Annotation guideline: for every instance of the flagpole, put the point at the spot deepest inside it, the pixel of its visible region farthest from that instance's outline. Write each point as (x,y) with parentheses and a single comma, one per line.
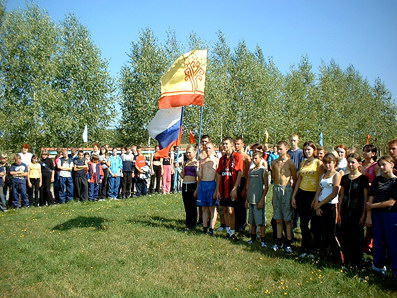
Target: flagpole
(177,155)
(201,125)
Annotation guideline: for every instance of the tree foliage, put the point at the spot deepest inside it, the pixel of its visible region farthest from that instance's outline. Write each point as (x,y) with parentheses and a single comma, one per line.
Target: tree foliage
(246,95)
(140,87)
(53,81)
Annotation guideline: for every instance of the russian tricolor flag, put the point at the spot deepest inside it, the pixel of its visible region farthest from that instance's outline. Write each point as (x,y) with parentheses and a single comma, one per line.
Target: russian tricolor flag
(166,128)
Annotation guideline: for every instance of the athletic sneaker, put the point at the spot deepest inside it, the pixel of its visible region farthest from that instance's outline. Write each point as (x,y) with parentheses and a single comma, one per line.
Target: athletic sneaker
(210,233)
(379,270)
(275,247)
(288,249)
(302,255)
(263,244)
(234,237)
(221,229)
(250,241)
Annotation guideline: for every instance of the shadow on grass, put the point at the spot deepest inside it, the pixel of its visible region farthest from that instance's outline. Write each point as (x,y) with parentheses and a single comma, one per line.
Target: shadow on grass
(158,221)
(82,222)
(365,275)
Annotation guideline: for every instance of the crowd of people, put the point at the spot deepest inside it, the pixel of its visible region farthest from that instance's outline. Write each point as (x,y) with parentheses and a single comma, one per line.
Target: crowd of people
(336,194)
(30,180)
(343,198)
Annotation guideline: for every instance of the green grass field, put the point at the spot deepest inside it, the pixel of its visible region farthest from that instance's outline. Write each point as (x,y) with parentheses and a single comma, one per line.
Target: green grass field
(138,248)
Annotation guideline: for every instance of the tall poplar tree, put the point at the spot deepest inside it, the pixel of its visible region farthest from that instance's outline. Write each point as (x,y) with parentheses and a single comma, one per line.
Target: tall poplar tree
(27,65)
(53,81)
(140,87)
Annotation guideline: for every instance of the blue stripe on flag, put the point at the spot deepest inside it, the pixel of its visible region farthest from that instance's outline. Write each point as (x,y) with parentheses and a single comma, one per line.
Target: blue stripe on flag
(169,135)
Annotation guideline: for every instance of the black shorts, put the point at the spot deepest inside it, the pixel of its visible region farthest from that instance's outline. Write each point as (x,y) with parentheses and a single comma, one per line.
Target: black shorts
(228,203)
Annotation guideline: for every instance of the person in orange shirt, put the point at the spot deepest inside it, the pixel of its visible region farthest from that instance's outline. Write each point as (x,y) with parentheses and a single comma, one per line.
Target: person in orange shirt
(140,183)
(95,177)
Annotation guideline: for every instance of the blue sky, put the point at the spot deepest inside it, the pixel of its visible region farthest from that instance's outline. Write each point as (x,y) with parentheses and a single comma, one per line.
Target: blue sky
(361,33)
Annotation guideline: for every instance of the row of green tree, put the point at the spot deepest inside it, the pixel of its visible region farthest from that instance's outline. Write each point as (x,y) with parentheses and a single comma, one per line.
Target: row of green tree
(246,95)
(54,82)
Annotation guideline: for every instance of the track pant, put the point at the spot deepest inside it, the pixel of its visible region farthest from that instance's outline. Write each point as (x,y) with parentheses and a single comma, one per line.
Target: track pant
(167,178)
(240,211)
(81,188)
(45,190)
(303,205)
(324,232)
(126,185)
(66,189)
(155,179)
(189,202)
(19,189)
(34,192)
(140,186)
(114,185)
(93,193)
(104,184)
(385,238)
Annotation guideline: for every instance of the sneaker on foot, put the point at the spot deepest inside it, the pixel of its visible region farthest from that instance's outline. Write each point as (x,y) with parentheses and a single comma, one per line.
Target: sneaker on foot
(302,255)
(263,244)
(221,229)
(234,237)
(379,270)
(288,249)
(275,247)
(250,241)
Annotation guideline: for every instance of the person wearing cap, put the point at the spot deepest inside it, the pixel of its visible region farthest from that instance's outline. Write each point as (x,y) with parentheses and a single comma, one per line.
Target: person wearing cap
(47,176)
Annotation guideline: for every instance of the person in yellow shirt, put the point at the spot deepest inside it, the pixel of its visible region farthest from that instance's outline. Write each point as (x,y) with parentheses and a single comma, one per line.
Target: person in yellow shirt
(305,189)
(34,181)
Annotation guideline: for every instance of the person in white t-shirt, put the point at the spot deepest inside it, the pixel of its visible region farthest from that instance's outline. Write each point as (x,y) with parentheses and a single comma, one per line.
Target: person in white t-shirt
(65,164)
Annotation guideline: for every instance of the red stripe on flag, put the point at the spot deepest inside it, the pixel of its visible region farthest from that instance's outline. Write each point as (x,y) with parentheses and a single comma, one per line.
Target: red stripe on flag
(191,138)
(165,152)
(173,101)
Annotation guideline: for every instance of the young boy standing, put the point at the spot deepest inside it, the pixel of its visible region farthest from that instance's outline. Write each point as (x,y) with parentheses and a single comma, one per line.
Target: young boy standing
(19,173)
(240,209)
(65,165)
(95,176)
(229,173)
(206,187)
(283,174)
(257,187)
(80,177)
(128,159)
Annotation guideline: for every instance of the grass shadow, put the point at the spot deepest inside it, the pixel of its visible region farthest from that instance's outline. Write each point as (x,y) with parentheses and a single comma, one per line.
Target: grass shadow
(82,222)
(158,221)
(319,263)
